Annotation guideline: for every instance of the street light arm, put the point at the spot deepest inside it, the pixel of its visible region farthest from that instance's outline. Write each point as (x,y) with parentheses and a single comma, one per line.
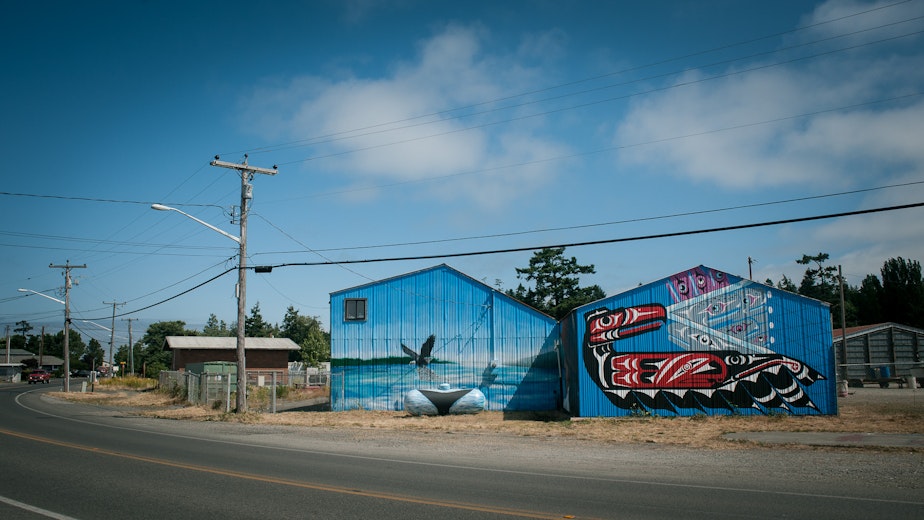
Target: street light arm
(42,295)
(96,324)
(161,207)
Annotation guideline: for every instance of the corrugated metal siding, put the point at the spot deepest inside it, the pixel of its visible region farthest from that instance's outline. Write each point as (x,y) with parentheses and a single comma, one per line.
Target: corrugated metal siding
(732,347)
(887,345)
(483,340)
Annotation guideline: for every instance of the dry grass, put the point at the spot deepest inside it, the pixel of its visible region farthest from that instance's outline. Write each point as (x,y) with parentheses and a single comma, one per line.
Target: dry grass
(865,410)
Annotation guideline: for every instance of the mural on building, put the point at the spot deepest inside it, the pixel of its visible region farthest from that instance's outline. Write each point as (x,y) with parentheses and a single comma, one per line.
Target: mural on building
(435,327)
(720,352)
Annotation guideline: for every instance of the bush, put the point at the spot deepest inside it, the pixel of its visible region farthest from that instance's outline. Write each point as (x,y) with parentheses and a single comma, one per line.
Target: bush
(132,382)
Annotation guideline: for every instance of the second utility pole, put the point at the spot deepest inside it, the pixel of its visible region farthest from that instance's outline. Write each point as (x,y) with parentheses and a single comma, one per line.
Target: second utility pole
(67,318)
(112,332)
(247,173)
(131,347)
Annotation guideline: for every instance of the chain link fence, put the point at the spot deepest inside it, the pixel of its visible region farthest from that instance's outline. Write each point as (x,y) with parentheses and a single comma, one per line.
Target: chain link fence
(267,391)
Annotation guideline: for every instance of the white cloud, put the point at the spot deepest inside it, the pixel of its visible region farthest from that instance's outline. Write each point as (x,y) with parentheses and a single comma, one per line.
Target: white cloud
(804,123)
(395,128)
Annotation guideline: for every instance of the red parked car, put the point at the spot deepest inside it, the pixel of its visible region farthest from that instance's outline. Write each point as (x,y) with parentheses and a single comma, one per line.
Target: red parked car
(39,376)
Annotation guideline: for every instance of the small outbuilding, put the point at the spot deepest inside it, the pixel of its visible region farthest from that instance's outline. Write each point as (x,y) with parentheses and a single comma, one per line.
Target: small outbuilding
(699,342)
(262,354)
(881,353)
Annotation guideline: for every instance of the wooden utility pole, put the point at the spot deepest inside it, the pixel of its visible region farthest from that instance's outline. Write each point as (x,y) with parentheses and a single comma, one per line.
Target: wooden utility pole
(112,330)
(247,173)
(131,346)
(843,352)
(67,318)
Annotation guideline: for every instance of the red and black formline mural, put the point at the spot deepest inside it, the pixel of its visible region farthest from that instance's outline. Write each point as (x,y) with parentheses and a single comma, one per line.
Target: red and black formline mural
(702,341)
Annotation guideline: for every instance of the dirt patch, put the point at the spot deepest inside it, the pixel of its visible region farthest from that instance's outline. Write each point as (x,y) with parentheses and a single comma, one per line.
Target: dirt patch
(867,410)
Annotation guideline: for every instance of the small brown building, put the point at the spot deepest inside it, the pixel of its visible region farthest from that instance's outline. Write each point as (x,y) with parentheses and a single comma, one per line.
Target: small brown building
(262,354)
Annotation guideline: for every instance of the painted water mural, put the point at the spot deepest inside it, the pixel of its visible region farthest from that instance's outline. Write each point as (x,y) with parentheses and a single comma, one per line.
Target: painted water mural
(382,384)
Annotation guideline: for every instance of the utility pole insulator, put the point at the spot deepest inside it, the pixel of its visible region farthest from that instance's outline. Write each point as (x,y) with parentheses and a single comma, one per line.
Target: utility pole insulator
(245,167)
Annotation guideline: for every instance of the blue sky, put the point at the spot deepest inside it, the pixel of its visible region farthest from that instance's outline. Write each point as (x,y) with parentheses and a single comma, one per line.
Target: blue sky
(417,128)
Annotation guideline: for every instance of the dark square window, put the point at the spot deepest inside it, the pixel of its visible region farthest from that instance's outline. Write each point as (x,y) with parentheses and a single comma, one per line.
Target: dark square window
(354,309)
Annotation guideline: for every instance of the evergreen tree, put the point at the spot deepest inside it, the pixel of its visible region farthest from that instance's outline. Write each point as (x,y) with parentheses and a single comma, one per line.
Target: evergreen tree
(556,284)
(255,326)
(868,300)
(94,355)
(819,282)
(153,354)
(786,284)
(22,328)
(215,328)
(306,332)
(903,292)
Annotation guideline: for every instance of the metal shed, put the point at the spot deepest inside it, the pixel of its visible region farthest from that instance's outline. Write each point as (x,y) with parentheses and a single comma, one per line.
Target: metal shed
(437,325)
(880,352)
(699,342)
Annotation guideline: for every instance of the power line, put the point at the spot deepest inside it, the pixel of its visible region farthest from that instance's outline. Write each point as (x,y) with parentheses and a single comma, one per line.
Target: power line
(165,300)
(615,240)
(97,199)
(586,226)
(538,247)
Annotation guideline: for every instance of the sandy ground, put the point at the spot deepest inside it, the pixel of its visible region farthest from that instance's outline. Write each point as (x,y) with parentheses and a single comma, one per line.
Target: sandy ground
(867,410)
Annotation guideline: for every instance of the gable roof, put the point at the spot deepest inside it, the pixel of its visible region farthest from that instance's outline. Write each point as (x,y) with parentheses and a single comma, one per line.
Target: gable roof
(442,267)
(47,360)
(852,332)
(410,274)
(227,343)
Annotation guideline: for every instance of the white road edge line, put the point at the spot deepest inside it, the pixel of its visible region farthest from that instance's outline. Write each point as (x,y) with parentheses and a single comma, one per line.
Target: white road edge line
(33,509)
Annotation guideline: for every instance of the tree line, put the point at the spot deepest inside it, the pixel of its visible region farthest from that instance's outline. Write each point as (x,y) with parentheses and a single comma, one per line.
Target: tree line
(895,295)
(148,355)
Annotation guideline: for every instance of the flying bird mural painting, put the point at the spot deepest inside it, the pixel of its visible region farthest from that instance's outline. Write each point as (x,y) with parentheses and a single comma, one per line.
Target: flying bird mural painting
(422,359)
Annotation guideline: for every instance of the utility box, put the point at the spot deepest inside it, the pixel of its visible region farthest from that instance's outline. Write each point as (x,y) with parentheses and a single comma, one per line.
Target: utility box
(215,370)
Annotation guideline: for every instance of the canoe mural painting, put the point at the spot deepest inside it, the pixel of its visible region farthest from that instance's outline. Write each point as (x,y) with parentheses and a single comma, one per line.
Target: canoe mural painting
(444,401)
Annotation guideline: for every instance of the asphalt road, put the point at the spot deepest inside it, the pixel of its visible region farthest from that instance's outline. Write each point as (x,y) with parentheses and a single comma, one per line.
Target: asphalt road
(66,460)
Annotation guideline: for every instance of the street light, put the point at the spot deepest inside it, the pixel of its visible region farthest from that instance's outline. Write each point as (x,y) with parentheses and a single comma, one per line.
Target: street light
(161,207)
(42,295)
(241,403)
(67,325)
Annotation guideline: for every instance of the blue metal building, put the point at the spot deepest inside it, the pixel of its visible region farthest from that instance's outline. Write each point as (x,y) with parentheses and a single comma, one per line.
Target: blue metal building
(699,342)
(434,326)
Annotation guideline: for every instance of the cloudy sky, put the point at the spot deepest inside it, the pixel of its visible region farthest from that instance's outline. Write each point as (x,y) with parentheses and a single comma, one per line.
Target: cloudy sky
(413,128)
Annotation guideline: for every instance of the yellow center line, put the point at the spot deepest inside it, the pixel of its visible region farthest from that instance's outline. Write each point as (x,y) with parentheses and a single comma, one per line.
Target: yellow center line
(287,482)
